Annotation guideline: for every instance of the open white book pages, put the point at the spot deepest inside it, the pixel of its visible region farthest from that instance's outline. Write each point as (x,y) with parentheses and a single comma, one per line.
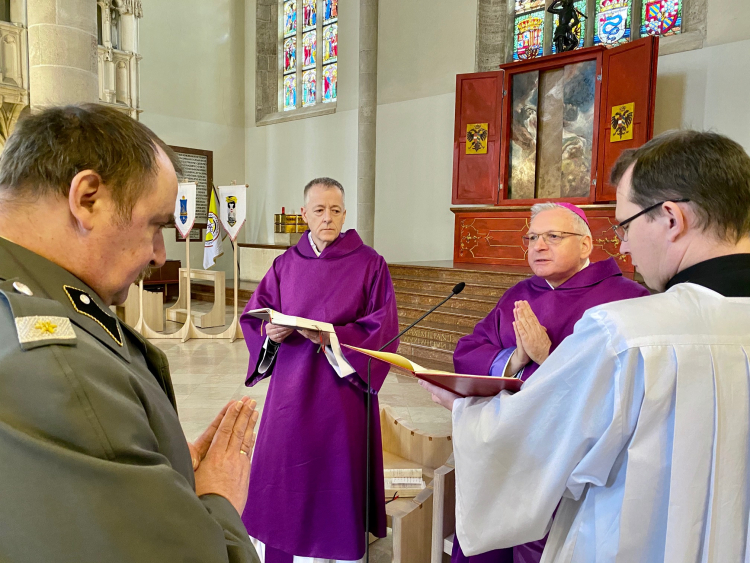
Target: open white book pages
(333,352)
(463,385)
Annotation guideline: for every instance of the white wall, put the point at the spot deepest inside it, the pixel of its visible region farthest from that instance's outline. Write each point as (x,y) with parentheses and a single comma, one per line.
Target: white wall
(419,54)
(192,90)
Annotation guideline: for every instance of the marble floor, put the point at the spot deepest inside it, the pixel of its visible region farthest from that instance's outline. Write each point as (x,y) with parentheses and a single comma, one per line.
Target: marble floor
(208,373)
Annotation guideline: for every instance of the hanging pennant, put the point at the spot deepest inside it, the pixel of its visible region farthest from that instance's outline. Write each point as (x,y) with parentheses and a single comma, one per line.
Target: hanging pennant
(232,209)
(184,210)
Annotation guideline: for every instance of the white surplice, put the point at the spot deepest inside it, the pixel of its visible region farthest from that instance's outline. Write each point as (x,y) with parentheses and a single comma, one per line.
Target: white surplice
(639,421)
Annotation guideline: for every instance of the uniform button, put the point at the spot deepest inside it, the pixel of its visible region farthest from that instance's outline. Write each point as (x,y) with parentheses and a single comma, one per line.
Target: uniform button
(22,288)
(85,299)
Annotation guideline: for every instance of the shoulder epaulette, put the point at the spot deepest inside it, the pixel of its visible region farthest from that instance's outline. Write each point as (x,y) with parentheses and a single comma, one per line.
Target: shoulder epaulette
(38,321)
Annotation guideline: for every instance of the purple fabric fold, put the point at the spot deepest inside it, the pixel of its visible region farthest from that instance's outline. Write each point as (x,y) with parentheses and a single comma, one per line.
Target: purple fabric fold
(307,485)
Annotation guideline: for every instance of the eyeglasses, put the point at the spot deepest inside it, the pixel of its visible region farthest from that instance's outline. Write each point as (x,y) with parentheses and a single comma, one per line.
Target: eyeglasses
(621,229)
(552,238)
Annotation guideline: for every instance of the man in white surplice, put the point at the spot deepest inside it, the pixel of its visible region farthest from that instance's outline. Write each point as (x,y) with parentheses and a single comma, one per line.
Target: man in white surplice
(637,428)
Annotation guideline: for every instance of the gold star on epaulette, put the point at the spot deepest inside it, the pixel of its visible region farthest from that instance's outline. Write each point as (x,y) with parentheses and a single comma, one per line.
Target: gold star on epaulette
(46,327)
(36,328)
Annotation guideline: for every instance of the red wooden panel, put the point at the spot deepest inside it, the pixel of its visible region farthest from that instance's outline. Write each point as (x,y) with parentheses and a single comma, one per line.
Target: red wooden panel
(478,100)
(629,76)
(494,237)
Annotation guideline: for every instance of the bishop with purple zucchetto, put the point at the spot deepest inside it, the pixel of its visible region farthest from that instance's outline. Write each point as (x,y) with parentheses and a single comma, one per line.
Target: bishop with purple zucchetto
(533,317)
(308,480)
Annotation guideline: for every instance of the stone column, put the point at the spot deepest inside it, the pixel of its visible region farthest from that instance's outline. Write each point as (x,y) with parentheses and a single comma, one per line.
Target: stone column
(62,52)
(492,27)
(367,120)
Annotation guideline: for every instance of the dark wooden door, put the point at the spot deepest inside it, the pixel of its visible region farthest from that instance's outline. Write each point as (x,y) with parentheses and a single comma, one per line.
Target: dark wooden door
(628,77)
(478,101)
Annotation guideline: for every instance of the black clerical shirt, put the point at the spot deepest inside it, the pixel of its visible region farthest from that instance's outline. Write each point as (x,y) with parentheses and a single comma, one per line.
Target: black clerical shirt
(727,275)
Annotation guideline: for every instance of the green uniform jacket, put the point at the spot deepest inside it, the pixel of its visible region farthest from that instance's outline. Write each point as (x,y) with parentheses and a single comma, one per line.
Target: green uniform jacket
(94,466)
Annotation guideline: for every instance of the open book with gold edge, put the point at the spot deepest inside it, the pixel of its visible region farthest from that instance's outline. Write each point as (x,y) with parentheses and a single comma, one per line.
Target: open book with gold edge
(460,384)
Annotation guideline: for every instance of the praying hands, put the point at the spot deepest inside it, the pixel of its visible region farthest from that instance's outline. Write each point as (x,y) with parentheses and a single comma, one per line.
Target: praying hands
(532,342)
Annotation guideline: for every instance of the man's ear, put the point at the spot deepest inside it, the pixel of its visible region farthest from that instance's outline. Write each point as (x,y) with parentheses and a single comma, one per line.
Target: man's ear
(587,245)
(303,211)
(675,220)
(85,198)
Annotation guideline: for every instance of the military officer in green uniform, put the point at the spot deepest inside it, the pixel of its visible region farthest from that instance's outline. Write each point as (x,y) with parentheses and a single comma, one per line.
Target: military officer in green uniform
(94,466)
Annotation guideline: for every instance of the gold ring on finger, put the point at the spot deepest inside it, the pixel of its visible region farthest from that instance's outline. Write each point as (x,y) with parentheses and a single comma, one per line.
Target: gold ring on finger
(243,452)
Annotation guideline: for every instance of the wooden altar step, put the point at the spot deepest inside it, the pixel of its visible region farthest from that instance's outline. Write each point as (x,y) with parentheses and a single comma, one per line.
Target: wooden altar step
(420,286)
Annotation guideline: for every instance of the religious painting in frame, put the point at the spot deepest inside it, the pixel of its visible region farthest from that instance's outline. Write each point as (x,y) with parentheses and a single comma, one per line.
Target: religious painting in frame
(661,17)
(523,147)
(198,167)
(613,22)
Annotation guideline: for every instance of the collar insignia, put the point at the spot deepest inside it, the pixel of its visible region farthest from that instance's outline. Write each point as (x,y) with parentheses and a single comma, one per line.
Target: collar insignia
(85,305)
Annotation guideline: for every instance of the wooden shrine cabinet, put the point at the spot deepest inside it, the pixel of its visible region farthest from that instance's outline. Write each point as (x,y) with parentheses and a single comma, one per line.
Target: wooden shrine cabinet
(547,129)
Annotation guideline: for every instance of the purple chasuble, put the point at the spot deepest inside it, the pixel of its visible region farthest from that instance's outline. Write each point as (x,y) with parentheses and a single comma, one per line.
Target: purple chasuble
(307,484)
(558,310)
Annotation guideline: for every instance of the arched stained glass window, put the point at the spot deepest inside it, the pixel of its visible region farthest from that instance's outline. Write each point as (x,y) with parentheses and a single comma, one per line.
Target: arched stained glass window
(529,29)
(309,52)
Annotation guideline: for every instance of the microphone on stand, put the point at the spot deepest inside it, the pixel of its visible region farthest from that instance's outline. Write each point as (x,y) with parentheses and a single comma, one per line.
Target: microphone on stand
(458,288)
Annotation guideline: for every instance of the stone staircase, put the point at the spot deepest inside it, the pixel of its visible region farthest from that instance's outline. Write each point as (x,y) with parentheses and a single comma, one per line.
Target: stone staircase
(418,288)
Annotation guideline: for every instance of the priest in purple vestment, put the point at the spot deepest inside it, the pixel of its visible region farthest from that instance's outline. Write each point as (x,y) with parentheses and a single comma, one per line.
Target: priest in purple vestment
(533,317)
(307,485)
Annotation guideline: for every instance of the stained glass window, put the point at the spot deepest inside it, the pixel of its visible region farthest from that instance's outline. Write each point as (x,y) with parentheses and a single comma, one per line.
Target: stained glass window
(308,88)
(309,49)
(661,17)
(290,92)
(528,5)
(309,52)
(290,55)
(580,29)
(309,14)
(329,83)
(613,22)
(331,12)
(529,34)
(290,18)
(330,43)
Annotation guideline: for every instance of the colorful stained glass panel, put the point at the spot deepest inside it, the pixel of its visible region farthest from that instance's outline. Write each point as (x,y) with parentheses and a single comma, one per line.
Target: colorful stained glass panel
(329,83)
(613,22)
(309,14)
(529,34)
(661,17)
(290,55)
(331,11)
(330,43)
(309,49)
(580,29)
(290,92)
(528,5)
(290,18)
(308,88)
